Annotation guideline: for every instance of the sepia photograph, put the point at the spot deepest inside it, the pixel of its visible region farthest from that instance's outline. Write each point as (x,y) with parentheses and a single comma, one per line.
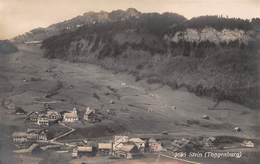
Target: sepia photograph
(129,82)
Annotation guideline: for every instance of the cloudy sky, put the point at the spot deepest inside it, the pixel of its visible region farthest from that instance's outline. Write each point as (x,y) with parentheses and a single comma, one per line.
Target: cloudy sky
(19,16)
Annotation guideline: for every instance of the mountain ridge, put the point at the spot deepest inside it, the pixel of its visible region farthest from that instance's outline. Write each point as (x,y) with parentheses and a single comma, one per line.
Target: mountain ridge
(73,24)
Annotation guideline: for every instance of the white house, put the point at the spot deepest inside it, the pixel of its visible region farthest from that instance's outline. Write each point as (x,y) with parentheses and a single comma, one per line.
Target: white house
(43,120)
(90,115)
(53,115)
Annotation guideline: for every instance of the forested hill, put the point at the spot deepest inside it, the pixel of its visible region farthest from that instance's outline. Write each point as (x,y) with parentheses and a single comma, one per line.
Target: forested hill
(209,55)
(93,18)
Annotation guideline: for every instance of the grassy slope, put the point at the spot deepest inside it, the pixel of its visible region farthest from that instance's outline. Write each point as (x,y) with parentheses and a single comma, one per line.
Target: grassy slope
(223,72)
(7,47)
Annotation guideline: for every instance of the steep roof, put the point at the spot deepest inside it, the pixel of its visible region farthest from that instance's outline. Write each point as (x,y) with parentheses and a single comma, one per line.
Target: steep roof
(43,117)
(137,140)
(152,140)
(127,147)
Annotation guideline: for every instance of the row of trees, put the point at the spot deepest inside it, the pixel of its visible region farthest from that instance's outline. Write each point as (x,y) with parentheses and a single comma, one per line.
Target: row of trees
(217,22)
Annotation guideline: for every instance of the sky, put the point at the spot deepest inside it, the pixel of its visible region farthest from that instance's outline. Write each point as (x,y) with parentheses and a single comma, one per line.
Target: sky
(19,16)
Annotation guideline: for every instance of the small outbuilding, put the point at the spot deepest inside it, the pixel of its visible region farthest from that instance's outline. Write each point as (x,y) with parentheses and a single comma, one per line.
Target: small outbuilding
(237,129)
(205,117)
(105,148)
(83,151)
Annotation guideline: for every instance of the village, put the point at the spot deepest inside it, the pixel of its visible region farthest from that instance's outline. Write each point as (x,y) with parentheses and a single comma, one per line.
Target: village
(39,139)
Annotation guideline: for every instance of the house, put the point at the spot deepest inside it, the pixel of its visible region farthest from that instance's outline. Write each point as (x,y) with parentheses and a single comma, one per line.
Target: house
(90,115)
(43,120)
(127,150)
(181,144)
(53,116)
(209,142)
(33,117)
(42,136)
(32,135)
(248,144)
(37,134)
(71,116)
(139,143)
(118,140)
(124,148)
(105,148)
(20,137)
(154,146)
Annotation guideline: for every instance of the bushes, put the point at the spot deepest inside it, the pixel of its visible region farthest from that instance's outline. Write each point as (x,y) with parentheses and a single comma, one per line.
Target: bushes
(158,24)
(6,47)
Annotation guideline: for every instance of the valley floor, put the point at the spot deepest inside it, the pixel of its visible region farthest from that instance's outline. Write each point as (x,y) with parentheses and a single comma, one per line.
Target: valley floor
(139,108)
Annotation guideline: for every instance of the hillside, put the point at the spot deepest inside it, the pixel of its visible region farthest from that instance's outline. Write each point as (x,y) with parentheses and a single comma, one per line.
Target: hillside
(88,18)
(6,47)
(210,56)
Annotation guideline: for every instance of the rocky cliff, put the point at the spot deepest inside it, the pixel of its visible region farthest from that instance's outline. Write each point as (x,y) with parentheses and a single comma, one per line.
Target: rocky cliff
(212,35)
(219,60)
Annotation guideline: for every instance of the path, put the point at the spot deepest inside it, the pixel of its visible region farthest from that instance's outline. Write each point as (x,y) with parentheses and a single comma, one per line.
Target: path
(64,134)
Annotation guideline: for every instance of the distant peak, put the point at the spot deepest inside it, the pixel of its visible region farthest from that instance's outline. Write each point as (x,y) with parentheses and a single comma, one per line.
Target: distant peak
(132,10)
